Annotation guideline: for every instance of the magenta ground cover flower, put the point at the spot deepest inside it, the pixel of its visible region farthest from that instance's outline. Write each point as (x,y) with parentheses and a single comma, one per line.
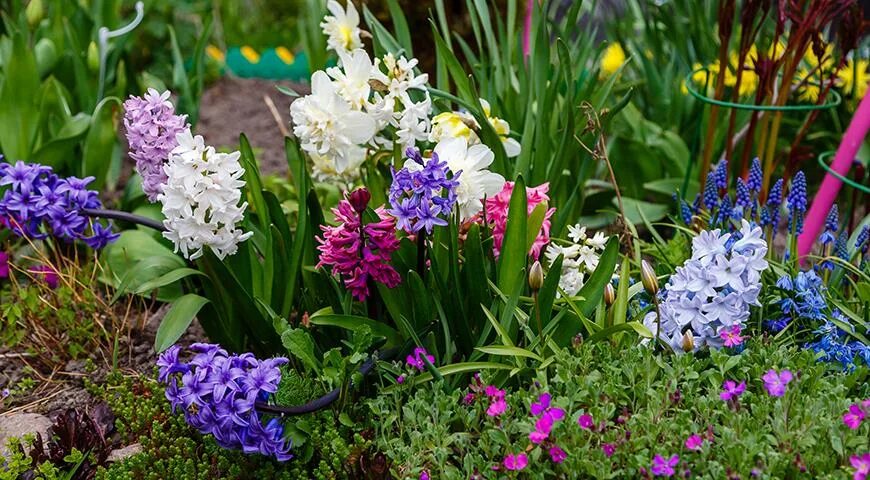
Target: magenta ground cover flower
(360,252)
(4,265)
(732,336)
(775,383)
(861,464)
(664,468)
(732,390)
(854,416)
(694,442)
(609,449)
(547,417)
(516,462)
(497,404)
(585,421)
(415,360)
(557,455)
(46,274)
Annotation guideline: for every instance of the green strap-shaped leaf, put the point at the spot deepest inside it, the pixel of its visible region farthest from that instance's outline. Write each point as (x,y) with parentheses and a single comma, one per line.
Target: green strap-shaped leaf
(512,258)
(177,319)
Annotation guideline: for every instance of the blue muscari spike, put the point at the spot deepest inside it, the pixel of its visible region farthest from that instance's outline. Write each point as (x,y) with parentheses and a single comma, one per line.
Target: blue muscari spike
(743,199)
(721,174)
(711,192)
(686,212)
(841,248)
(755,176)
(832,223)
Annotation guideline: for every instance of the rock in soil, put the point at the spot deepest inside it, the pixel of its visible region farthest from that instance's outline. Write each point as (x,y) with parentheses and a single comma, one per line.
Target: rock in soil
(122,453)
(20,424)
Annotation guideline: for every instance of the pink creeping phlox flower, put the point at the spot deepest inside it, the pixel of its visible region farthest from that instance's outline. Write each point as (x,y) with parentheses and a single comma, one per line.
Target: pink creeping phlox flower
(694,442)
(4,265)
(416,359)
(732,390)
(609,449)
(732,336)
(585,421)
(497,404)
(360,252)
(557,455)
(47,274)
(516,462)
(854,416)
(497,213)
(664,468)
(861,463)
(775,383)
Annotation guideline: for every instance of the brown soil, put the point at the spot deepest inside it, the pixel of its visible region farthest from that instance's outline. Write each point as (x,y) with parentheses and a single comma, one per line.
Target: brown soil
(232,106)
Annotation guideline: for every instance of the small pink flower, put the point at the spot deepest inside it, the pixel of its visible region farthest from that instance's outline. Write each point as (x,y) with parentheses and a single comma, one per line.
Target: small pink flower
(694,442)
(468,399)
(424,475)
(775,383)
(557,455)
(4,265)
(854,417)
(400,379)
(46,274)
(492,391)
(496,408)
(732,390)
(731,336)
(537,437)
(543,403)
(416,359)
(609,449)
(664,468)
(585,421)
(516,462)
(861,463)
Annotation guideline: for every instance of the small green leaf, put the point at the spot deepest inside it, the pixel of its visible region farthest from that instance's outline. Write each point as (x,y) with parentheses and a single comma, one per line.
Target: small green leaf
(177,319)
(299,343)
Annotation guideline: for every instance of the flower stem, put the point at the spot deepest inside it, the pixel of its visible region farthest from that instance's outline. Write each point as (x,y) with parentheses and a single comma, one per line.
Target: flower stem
(421,253)
(124,217)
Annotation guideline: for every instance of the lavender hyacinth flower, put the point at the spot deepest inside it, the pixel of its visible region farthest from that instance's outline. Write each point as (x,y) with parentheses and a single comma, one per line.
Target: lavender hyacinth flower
(152,125)
(217,394)
(421,195)
(38,203)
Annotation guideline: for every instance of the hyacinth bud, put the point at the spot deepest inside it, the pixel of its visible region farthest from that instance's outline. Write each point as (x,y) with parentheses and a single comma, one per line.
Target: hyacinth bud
(648,278)
(93,57)
(609,294)
(34,12)
(359,199)
(536,276)
(688,342)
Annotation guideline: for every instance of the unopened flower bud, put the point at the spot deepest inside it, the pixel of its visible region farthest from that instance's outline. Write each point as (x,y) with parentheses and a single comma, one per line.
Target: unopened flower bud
(35,12)
(359,199)
(609,294)
(688,342)
(93,57)
(577,340)
(648,277)
(536,276)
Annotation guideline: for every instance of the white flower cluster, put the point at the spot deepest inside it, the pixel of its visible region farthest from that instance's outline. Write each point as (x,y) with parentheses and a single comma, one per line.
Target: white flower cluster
(714,289)
(463,124)
(201,199)
(580,257)
(356,105)
(341,28)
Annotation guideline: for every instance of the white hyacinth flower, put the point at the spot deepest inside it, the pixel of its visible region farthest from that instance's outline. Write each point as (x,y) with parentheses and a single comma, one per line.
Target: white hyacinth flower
(201,199)
(579,257)
(392,104)
(475,181)
(341,28)
(327,125)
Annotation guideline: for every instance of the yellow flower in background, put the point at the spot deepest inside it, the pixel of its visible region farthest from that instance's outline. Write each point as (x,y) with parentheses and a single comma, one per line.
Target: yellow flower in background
(250,54)
(810,90)
(215,53)
(776,50)
(285,55)
(613,58)
(854,77)
(827,58)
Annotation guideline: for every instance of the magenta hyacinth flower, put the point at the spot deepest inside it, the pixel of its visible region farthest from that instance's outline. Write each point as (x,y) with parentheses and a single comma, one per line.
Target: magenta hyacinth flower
(775,383)
(497,213)
(152,125)
(854,416)
(861,464)
(664,468)
(732,390)
(694,442)
(516,462)
(46,274)
(359,253)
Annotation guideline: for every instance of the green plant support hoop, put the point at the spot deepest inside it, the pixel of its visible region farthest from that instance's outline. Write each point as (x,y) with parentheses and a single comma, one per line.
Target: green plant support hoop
(823,161)
(835,100)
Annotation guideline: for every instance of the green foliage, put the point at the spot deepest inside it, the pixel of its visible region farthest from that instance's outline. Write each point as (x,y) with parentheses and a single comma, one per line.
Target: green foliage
(644,405)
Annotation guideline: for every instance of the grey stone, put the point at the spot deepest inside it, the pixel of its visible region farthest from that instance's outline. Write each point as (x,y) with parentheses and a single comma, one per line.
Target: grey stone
(122,453)
(21,424)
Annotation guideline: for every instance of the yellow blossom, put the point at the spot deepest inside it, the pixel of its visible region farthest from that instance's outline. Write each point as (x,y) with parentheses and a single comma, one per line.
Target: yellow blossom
(854,77)
(613,58)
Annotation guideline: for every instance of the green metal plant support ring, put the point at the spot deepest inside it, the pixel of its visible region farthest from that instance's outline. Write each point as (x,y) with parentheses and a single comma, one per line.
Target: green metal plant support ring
(832,103)
(823,161)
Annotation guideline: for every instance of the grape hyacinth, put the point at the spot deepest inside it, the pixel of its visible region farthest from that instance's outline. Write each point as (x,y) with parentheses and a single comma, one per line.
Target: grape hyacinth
(217,393)
(797,203)
(832,224)
(421,195)
(712,292)
(497,214)
(774,200)
(359,251)
(755,177)
(201,199)
(151,127)
(35,198)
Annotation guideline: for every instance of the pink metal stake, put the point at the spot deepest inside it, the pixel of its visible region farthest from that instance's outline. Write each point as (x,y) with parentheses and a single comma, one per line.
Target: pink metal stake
(527,28)
(858,128)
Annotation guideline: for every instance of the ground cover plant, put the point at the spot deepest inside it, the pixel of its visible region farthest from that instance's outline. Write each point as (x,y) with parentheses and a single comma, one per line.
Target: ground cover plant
(578,241)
